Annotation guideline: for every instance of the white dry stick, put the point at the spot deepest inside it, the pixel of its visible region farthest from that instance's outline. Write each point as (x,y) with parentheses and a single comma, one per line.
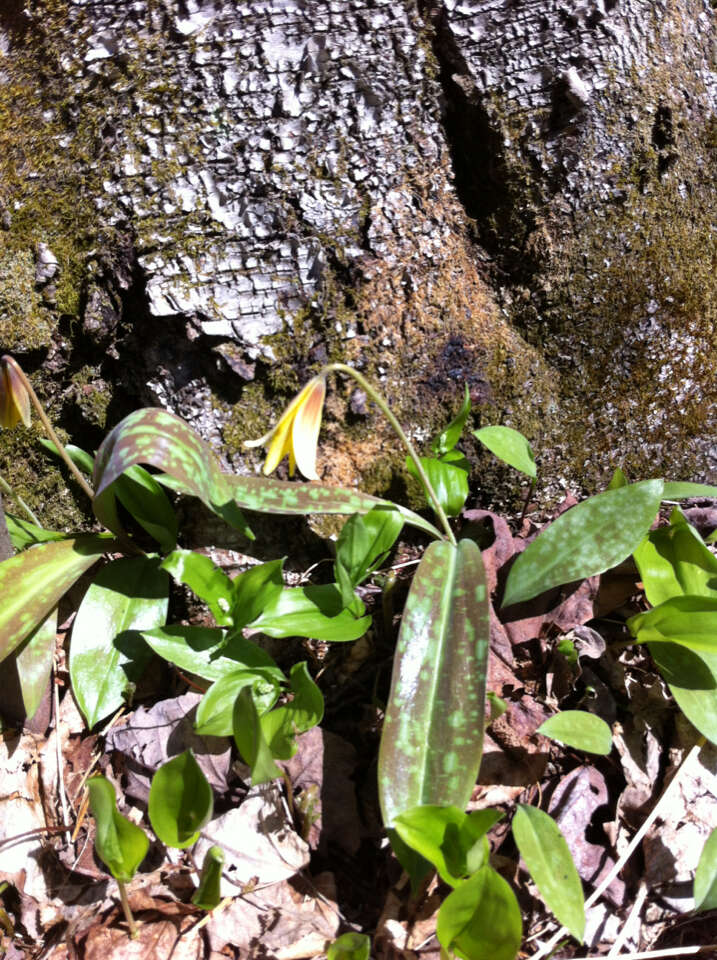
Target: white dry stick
(628,924)
(58,750)
(634,843)
(670,952)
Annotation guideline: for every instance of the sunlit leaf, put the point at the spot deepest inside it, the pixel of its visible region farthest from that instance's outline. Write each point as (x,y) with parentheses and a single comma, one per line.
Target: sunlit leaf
(215,713)
(145,500)
(24,534)
(33,662)
(705,890)
(281,726)
(480,919)
(689,621)
(119,844)
(673,561)
(362,546)
(683,490)
(580,730)
(250,740)
(255,591)
(207,652)
(692,679)
(510,446)
(316,611)
(205,579)
(208,893)
(448,477)
(448,438)
(180,801)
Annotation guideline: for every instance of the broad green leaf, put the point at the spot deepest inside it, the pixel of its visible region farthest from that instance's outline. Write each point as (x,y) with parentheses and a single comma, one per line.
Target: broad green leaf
(589,539)
(266,495)
(510,446)
(160,439)
(315,612)
(453,841)
(180,801)
(692,679)
(32,582)
(281,726)
(350,946)
(712,538)
(705,889)
(208,893)
(24,534)
(448,477)
(119,844)
(618,479)
(145,500)
(432,736)
(250,740)
(689,621)
(81,458)
(33,662)
(216,709)
(362,546)
(580,730)
(255,590)
(207,652)
(448,438)
(674,561)
(683,490)
(547,857)
(106,652)
(205,579)
(480,919)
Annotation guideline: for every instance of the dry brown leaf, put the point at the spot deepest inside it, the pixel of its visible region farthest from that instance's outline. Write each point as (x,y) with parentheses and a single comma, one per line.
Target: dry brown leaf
(155,940)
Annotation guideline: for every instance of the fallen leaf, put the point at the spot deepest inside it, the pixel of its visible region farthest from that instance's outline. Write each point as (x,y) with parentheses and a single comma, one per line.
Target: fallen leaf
(158,939)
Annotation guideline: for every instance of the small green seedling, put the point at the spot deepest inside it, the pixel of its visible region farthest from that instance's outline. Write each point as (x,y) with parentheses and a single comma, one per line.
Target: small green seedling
(180,801)
(208,893)
(580,730)
(350,946)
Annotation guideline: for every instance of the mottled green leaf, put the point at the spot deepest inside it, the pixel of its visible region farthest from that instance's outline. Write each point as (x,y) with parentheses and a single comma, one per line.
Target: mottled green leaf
(32,582)
(106,652)
(510,446)
(207,896)
(689,621)
(350,946)
(589,539)
(673,561)
(316,611)
(24,534)
(432,736)
(281,726)
(207,652)
(547,857)
(705,889)
(362,546)
(448,438)
(480,919)
(683,490)
(33,662)
(216,710)
(205,579)
(250,740)
(692,679)
(119,844)
(180,801)
(580,730)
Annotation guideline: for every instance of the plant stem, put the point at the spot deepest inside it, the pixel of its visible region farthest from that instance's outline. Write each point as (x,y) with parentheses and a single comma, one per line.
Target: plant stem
(127,910)
(48,428)
(386,410)
(6,488)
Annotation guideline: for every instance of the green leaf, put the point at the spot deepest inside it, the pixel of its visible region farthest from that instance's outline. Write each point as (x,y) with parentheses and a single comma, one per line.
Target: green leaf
(705,890)
(674,561)
(547,857)
(689,621)
(255,590)
(448,477)
(480,919)
(362,547)
(589,539)
(106,653)
(510,446)
(683,490)
(145,500)
(160,439)
(119,844)
(81,458)
(350,946)
(692,679)
(205,579)
(316,611)
(617,480)
(447,837)
(250,740)
(448,438)
(32,582)
(207,896)
(24,534)
(580,730)
(180,801)
(281,726)
(432,736)
(33,662)
(207,652)
(215,713)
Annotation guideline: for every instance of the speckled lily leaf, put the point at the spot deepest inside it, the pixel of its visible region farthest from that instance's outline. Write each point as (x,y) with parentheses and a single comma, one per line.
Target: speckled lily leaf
(164,441)
(433,733)
(589,539)
(32,582)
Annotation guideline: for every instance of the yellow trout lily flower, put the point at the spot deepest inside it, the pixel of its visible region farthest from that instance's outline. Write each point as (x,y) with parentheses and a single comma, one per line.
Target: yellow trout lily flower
(14,398)
(297,432)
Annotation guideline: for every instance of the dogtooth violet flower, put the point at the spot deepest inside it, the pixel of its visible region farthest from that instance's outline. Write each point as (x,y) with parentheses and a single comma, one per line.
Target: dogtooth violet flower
(297,432)
(14,398)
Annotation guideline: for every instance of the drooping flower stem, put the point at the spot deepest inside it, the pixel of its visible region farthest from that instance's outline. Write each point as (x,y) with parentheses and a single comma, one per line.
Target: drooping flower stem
(7,489)
(48,427)
(386,410)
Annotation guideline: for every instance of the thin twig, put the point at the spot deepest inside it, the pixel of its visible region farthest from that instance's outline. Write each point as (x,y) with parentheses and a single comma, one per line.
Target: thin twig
(670,952)
(634,914)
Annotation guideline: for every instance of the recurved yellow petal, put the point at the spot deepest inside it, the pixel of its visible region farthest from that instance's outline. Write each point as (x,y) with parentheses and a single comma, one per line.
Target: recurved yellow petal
(14,398)
(297,432)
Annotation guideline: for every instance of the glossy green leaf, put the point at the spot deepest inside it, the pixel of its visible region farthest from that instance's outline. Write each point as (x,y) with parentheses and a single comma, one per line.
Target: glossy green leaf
(207,652)
(205,579)
(617,480)
(448,477)
(162,440)
(683,490)
(32,582)
(119,844)
(432,736)
(255,590)
(145,500)
(510,446)
(673,561)
(281,726)
(580,730)
(692,679)
(480,919)
(215,713)
(589,539)
(33,662)
(106,652)
(705,889)
(208,895)
(350,946)
(317,612)
(24,534)
(81,458)
(362,546)
(689,621)
(180,801)
(250,740)
(550,864)
(453,841)
(448,438)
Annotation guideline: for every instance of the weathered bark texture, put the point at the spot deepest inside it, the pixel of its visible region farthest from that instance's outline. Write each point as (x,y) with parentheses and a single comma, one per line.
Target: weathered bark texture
(201,202)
